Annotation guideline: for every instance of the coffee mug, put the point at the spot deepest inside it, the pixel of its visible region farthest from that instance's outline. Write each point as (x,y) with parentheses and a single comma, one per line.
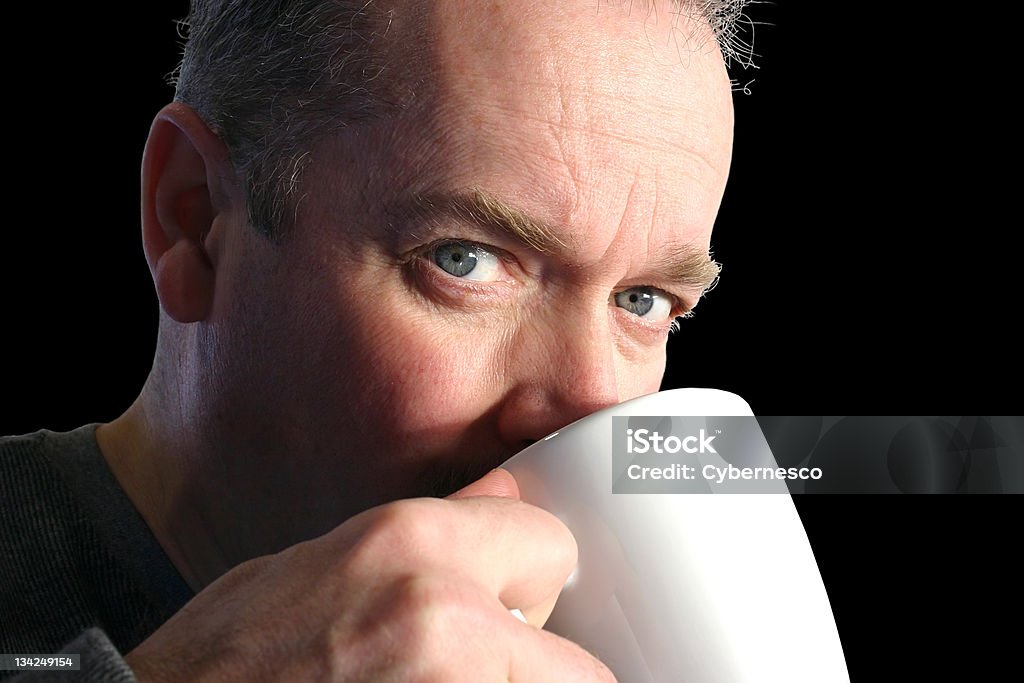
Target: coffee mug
(672,587)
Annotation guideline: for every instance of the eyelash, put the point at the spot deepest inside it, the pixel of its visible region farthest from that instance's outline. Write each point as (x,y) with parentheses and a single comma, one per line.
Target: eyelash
(423,255)
(674,327)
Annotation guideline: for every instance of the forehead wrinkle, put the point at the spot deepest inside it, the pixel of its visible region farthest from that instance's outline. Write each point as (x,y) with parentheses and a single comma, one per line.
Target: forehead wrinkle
(654,216)
(572,85)
(688,266)
(687,150)
(586,140)
(625,219)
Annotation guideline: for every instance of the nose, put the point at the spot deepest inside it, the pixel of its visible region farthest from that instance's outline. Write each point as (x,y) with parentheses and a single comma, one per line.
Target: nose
(555,378)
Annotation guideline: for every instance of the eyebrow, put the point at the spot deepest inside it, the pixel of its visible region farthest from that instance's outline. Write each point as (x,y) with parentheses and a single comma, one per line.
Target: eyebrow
(690,268)
(686,266)
(484,210)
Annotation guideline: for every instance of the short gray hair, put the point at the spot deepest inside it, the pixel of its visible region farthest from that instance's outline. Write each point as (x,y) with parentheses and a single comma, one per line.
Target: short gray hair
(270,77)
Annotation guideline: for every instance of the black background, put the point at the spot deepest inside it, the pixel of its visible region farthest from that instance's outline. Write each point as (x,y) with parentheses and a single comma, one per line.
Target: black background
(870,268)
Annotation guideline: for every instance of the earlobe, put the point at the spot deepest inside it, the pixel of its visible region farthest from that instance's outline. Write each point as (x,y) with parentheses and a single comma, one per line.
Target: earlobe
(184,281)
(183,171)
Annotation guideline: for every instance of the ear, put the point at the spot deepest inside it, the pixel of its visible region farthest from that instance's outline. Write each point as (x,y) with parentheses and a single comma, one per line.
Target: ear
(187,182)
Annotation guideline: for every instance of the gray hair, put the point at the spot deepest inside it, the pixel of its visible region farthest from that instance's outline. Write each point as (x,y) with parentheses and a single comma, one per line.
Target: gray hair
(270,77)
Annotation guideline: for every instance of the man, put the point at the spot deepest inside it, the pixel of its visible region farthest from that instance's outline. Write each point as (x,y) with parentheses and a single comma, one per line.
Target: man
(394,243)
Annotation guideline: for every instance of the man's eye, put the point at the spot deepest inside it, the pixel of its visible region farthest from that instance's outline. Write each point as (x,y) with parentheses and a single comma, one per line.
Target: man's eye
(645,302)
(468,261)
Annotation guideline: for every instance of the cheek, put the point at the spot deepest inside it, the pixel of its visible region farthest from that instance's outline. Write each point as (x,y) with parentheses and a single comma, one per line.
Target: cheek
(432,369)
(639,368)
(425,373)
(638,378)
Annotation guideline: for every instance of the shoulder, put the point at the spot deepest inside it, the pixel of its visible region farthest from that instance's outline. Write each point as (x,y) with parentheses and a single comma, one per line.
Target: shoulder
(42,528)
(37,469)
(74,552)
(30,468)
(36,450)
(39,506)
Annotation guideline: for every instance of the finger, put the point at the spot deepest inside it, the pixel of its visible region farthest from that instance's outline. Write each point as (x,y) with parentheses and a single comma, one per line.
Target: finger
(500,482)
(497,482)
(538,656)
(518,552)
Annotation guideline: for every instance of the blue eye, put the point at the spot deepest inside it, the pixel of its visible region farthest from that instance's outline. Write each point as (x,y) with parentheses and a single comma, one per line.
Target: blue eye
(467,260)
(645,302)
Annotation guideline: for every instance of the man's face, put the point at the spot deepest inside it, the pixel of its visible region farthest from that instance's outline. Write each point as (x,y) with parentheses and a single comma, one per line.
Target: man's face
(402,332)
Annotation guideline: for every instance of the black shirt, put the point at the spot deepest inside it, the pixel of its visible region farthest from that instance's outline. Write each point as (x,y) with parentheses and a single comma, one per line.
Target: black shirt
(80,571)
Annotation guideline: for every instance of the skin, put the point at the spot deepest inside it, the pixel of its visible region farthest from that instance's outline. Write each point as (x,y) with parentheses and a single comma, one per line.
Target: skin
(300,388)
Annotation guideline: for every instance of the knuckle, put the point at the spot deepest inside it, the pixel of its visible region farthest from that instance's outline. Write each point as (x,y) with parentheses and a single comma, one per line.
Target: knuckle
(414,529)
(418,627)
(430,600)
(432,617)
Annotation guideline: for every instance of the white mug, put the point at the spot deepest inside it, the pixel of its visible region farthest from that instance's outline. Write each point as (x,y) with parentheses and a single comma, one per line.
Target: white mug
(681,587)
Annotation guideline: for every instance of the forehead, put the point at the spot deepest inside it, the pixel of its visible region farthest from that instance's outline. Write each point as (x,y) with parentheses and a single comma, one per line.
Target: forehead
(589,68)
(585,115)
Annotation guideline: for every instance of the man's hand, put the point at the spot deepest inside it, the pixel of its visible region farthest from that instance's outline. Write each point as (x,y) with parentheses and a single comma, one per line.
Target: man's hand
(415,590)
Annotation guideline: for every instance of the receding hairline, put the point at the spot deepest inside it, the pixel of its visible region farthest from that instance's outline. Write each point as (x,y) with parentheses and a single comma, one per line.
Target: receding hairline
(272,83)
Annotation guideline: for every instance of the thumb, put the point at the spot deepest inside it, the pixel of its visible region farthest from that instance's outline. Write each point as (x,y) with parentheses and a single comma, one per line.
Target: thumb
(497,482)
